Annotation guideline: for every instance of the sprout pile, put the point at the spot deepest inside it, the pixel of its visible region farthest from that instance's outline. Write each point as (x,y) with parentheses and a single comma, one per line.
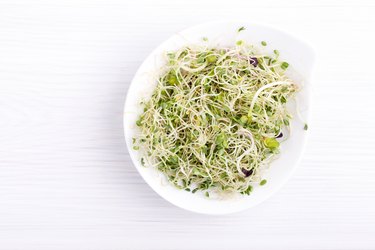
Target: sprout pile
(216,117)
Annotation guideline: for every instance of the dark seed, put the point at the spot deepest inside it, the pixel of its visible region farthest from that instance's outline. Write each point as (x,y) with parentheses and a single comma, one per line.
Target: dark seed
(280,135)
(246,172)
(254,61)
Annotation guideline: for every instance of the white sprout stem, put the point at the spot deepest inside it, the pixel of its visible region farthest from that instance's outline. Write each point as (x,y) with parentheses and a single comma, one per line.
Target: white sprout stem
(247,152)
(253,101)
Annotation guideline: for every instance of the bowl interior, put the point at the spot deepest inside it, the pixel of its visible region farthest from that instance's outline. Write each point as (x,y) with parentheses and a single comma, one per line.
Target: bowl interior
(301,59)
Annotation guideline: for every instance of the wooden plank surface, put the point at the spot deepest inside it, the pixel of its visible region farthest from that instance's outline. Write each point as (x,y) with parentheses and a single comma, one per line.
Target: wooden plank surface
(66,179)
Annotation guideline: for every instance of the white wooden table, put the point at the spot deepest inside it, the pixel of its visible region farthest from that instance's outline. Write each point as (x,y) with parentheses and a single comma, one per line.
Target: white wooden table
(66,179)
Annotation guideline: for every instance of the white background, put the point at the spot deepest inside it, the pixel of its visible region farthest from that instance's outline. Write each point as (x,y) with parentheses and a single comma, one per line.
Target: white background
(66,179)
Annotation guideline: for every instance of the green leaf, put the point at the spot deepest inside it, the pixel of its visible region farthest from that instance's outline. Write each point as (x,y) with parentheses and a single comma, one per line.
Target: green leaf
(248,190)
(220,151)
(241,29)
(271,143)
(222,141)
(172,79)
(223,175)
(284,65)
(239,43)
(243,119)
(211,59)
(283,99)
(173,159)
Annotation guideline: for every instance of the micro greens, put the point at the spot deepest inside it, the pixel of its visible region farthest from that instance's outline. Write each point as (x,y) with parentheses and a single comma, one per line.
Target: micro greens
(214,119)
(263,182)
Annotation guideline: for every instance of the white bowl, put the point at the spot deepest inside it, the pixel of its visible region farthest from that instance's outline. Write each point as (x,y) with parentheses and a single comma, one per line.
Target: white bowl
(301,59)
